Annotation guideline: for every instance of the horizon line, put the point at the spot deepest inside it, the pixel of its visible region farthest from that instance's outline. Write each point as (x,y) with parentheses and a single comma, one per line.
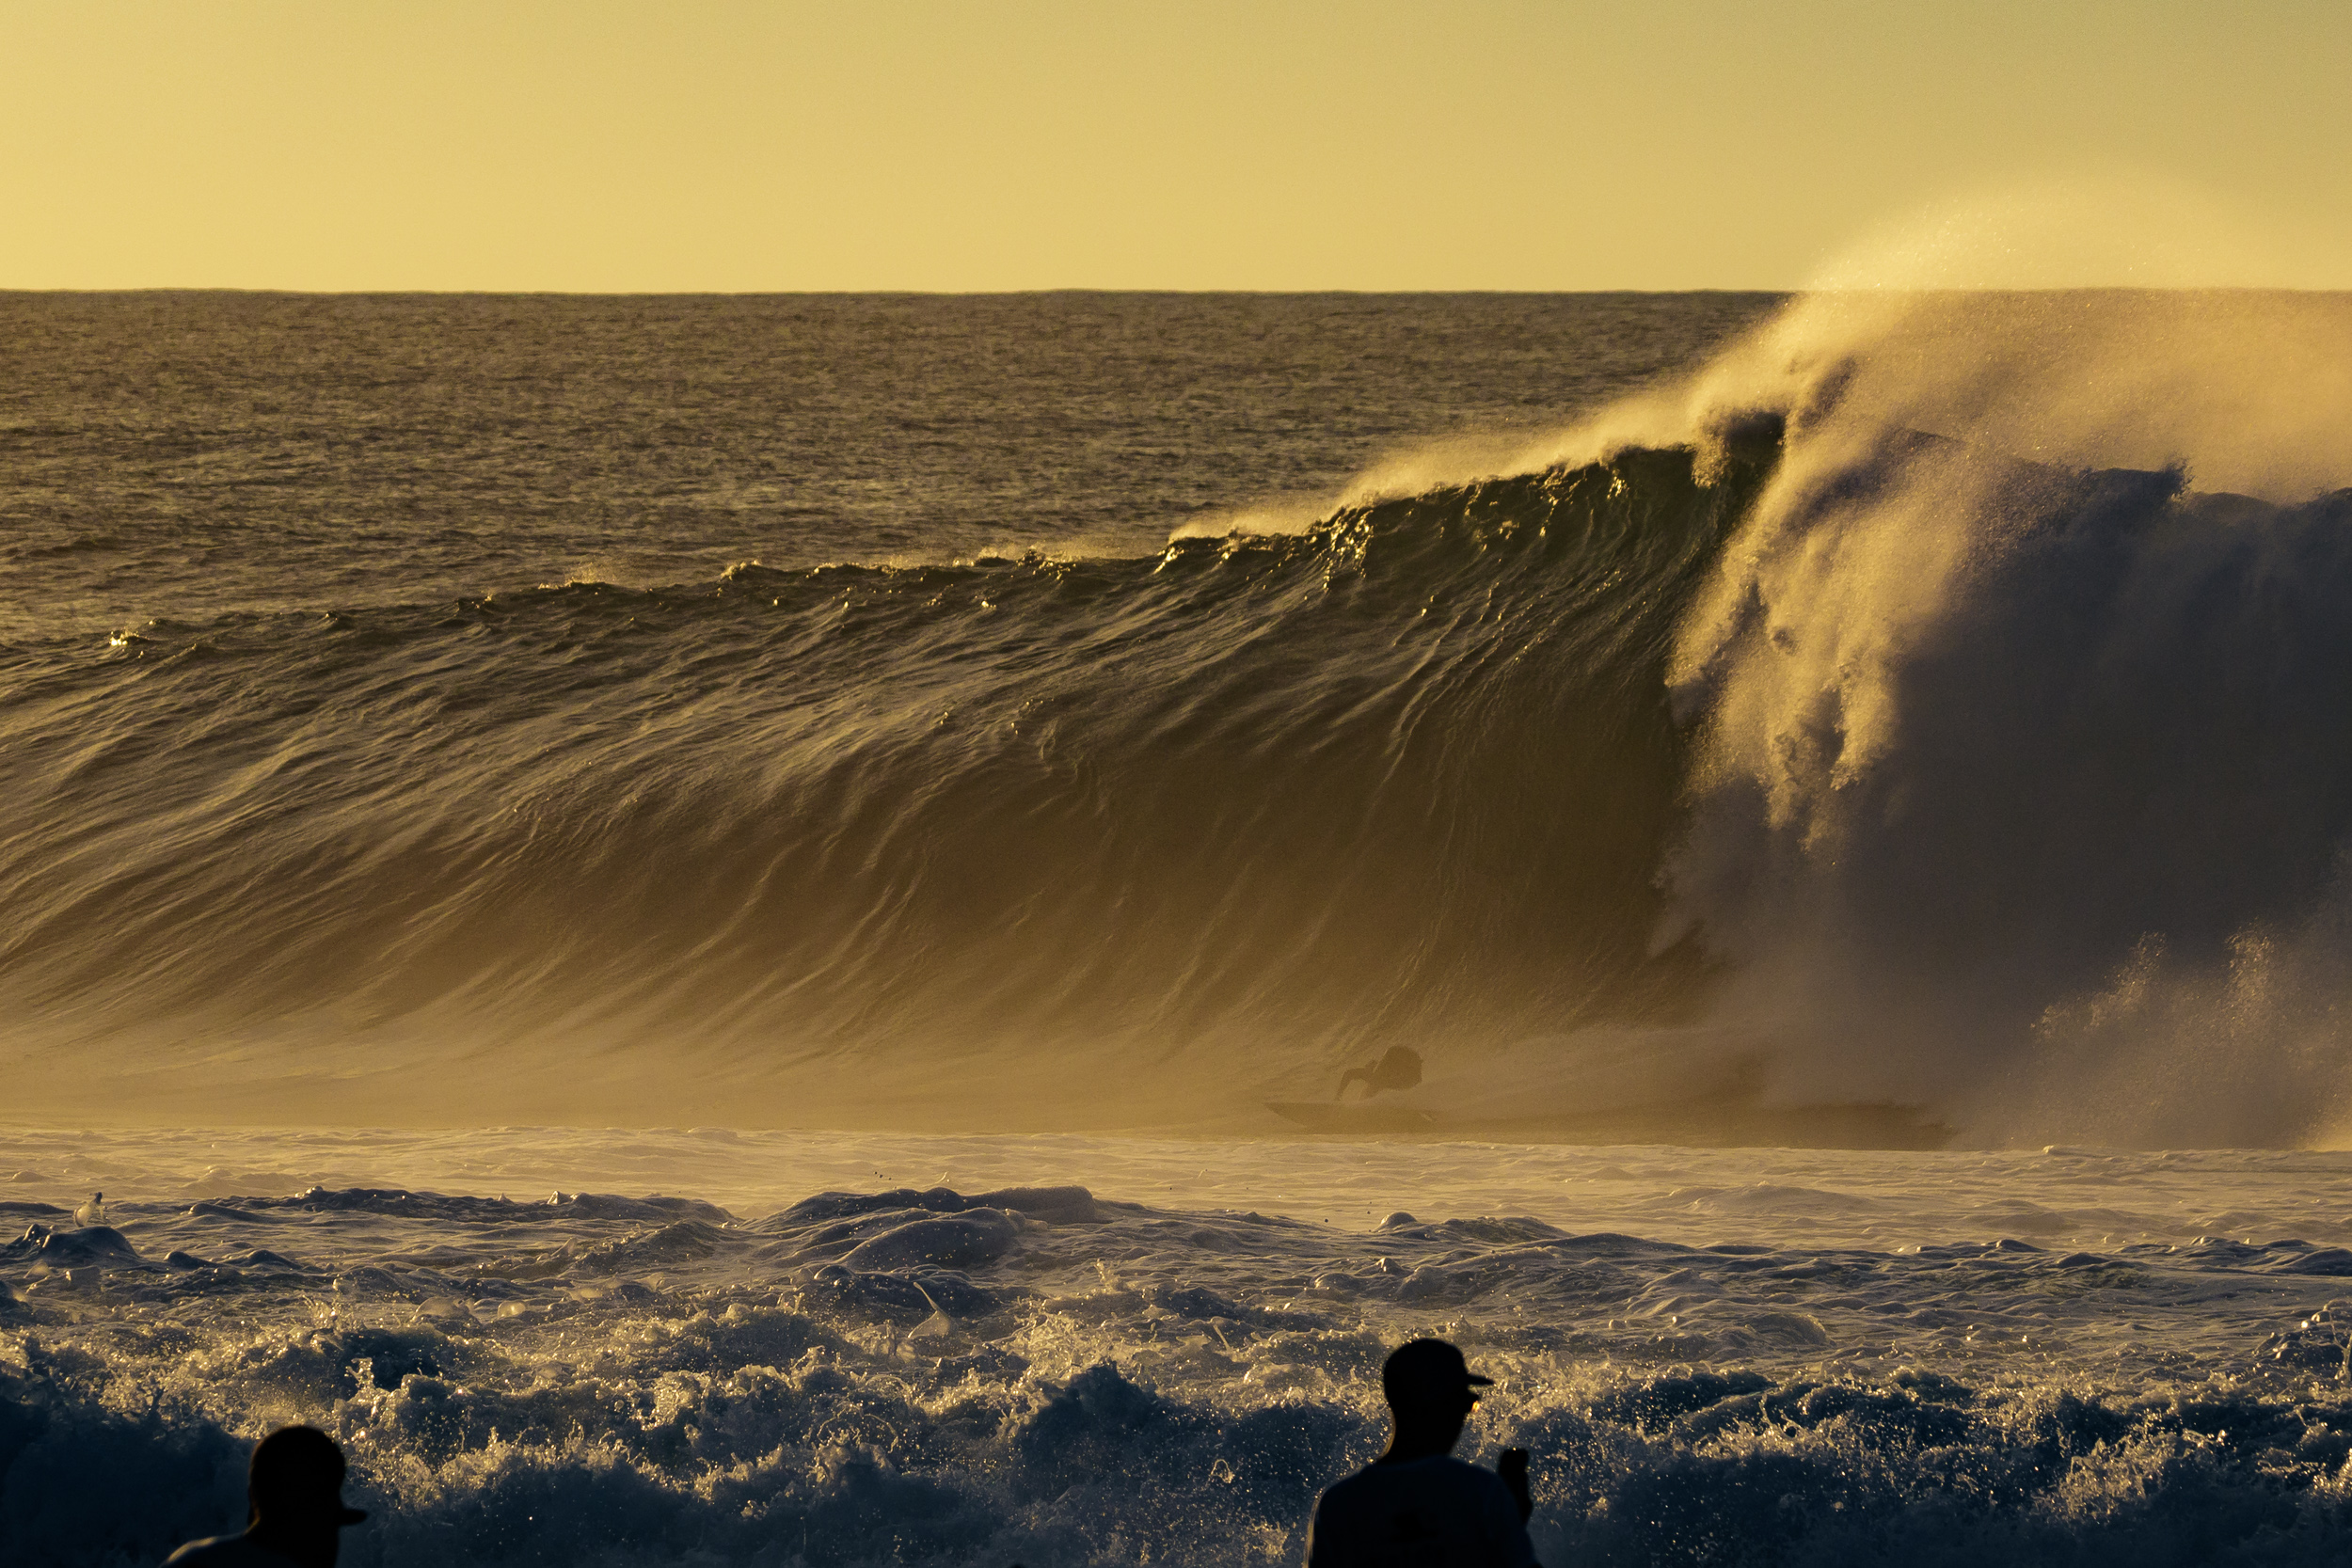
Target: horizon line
(1161,292)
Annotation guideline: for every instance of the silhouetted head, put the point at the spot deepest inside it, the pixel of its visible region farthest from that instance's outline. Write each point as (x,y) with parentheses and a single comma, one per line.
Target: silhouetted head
(1427,1383)
(297,1478)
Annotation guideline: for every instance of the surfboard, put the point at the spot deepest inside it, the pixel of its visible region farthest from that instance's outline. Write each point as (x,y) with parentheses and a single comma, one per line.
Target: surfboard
(1331,1117)
(1691,1124)
(1699,1087)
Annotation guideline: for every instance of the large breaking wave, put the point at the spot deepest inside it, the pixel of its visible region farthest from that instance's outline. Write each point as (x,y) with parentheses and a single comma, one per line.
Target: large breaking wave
(1906,693)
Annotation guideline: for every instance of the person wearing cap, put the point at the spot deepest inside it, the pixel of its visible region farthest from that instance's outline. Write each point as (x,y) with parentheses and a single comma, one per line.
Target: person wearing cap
(1417,1506)
(294,1491)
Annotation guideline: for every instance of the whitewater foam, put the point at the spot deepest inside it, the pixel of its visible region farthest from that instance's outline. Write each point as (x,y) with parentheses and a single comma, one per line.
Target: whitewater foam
(1898,692)
(2020,793)
(1740,1356)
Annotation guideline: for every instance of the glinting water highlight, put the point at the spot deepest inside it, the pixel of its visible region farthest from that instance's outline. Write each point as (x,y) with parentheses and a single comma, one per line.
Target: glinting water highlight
(738,878)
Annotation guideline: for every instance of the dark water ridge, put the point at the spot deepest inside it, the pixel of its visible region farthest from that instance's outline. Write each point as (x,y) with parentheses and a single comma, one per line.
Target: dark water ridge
(1485,764)
(1409,772)
(188,454)
(1935,698)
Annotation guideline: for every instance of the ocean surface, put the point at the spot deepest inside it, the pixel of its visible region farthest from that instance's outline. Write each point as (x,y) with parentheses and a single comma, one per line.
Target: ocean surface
(681,918)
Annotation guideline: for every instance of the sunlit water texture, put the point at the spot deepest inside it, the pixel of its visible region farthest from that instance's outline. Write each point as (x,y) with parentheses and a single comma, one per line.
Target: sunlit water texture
(1046,733)
(1068,1350)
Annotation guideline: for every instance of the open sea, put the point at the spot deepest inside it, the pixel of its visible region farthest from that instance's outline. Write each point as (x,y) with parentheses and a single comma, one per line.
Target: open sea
(683,919)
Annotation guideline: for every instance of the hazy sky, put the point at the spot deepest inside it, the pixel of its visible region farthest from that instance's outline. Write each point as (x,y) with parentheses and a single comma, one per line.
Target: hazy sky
(350,144)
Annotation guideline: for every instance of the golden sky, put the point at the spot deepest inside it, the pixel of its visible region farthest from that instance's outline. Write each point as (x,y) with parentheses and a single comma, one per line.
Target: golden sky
(903,144)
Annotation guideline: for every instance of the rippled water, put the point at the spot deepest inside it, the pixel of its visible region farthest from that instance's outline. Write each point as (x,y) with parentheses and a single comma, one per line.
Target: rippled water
(184,454)
(667,710)
(1068,714)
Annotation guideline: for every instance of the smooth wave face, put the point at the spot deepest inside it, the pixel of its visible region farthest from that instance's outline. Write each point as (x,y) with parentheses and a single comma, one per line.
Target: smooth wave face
(1405,777)
(1893,720)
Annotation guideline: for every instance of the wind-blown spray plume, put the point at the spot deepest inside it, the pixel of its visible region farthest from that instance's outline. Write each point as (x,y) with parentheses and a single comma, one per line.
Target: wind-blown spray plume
(1937,699)
(2024,786)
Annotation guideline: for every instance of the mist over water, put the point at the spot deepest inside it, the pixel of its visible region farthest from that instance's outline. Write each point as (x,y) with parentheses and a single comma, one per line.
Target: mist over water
(2023,785)
(834,827)
(1908,724)
(1927,697)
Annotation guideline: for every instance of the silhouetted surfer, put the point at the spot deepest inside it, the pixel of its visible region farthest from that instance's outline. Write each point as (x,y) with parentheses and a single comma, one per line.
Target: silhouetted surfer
(1398,1069)
(1417,1506)
(293,1492)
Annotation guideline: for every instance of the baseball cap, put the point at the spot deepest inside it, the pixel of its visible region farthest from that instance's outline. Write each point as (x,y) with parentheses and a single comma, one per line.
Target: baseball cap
(1421,1368)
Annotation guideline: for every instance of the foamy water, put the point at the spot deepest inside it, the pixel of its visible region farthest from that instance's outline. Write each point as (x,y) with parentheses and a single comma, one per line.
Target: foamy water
(1071,1350)
(1039,733)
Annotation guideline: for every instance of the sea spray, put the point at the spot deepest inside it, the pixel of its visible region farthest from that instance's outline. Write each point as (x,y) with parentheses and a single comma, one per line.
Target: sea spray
(1992,733)
(1934,692)
(1735,1356)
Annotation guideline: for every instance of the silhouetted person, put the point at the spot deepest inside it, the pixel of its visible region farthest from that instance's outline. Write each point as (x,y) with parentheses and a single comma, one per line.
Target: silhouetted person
(1400,1068)
(294,1494)
(1417,1506)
